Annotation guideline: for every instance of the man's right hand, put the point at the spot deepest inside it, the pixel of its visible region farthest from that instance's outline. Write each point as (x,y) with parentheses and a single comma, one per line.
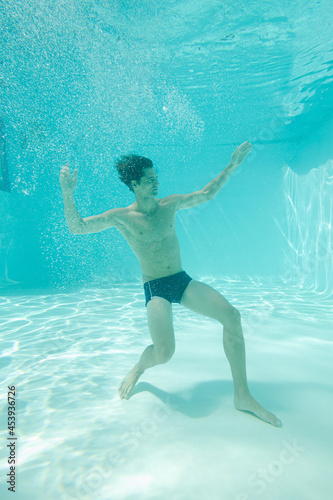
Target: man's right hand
(67,182)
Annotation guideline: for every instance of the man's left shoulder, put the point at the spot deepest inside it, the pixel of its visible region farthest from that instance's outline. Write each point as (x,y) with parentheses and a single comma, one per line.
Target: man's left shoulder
(170,201)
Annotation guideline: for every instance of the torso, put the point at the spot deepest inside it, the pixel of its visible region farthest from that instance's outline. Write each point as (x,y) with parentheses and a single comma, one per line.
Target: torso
(153,239)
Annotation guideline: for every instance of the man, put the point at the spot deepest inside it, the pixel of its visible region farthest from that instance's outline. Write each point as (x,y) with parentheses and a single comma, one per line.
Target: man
(148,225)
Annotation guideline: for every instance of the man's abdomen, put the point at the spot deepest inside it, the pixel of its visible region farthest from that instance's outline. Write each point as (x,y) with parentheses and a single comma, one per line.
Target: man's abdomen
(161,262)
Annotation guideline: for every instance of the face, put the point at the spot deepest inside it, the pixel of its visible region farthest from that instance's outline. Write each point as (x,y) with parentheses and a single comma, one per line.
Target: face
(148,183)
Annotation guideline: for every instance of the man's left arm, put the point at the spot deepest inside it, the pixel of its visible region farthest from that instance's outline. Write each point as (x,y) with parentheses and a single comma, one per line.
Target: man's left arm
(208,192)
(237,157)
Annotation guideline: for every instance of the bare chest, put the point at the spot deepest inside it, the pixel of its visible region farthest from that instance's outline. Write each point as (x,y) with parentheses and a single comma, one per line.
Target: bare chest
(141,229)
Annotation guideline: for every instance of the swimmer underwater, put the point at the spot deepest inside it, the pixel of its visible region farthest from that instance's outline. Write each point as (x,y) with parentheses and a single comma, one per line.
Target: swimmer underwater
(148,225)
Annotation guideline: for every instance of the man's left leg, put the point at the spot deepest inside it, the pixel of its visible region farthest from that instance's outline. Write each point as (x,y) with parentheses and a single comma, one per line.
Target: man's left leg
(203,299)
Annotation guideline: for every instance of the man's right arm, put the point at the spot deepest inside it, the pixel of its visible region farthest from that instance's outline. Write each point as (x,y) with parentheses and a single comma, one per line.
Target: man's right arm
(93,224)
(73,218)
(76,224)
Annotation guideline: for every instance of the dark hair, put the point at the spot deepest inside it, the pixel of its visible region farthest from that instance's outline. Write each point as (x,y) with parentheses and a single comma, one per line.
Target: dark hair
(130,168)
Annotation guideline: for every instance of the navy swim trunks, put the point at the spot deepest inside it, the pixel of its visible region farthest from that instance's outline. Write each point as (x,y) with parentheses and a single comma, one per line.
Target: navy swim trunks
(170,288)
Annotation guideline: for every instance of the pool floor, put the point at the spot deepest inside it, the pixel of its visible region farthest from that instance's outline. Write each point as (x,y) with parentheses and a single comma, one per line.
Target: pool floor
(179,435)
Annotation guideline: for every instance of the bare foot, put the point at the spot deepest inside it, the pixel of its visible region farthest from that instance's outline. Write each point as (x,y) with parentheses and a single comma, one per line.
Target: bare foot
(129,381)
(248,403)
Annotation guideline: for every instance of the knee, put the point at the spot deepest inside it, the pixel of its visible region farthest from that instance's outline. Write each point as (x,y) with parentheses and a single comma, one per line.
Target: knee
(164,353)
(233,318)
(236,315)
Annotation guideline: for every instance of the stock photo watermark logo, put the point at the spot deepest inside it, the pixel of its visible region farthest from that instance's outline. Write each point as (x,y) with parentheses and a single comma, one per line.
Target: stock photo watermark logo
(88,483)
(256,318)
(267,134)
(306,263)
(263,477)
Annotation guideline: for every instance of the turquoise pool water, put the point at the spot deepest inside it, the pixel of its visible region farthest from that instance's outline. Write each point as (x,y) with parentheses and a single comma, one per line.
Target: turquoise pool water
(183,83)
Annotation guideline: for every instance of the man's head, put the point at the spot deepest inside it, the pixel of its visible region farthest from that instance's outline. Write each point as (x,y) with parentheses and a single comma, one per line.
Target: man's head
(138,173)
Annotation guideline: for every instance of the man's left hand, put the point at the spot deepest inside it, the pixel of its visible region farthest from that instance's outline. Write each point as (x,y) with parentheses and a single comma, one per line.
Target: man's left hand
(240,154)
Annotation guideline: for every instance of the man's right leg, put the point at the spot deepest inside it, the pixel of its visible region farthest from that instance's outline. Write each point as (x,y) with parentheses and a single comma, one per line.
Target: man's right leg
(160,323)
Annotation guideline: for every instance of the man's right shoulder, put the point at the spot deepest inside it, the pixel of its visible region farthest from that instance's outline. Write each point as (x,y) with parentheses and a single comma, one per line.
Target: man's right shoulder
(118,213)
(100,222)
(115,211)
